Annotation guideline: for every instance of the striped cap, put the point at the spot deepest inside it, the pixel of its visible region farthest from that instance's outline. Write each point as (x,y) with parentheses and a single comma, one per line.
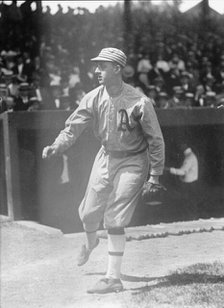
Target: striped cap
(112,55)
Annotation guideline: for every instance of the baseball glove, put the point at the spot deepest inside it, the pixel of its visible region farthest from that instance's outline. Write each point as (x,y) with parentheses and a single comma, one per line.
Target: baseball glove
(152,191)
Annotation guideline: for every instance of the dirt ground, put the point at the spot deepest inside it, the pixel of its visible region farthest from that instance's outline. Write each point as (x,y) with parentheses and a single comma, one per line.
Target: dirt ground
(38,268)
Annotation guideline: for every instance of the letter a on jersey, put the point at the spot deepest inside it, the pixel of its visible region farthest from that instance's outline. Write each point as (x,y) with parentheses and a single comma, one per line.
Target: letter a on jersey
(124,124)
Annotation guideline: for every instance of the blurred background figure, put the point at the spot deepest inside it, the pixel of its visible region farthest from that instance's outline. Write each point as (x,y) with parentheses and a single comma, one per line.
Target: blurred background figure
(23,99)
(143,68)
(13,86)
(176,63)
(210,99)
(10,104)
(162,100)
(34,104)
(152,93)
(3,97)
(189,100)
(176,100)
(186,193)
(185,82)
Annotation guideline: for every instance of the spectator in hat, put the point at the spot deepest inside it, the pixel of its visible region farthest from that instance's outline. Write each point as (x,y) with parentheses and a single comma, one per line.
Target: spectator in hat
(129,74)
(56,95)
(35,87)
(210,99)
(220,102)
(152,93)
(193,72)
(7,77)
(64,85)
(191,59)
(54,74)
(206,69)
(189,100)
(40,89)
(162,100)
(219,77)
(1,65)
(199,95)
(77,95)
(10,63)
(144,64)
(10,103)
(74,76)
(155,72)
(23,99)
(3,105)
(176,63)
(13,86)
(4,92)
(142,83)
(209,83)
(3,97)
(176,100)
(172,79)
(162,64)
(143,68)
(34,104)
(23,69)
(159,84)
(185,82)
(65,102)
(207,86)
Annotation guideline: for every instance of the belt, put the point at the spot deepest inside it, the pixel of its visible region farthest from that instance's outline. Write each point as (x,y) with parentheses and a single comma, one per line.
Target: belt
(123,154)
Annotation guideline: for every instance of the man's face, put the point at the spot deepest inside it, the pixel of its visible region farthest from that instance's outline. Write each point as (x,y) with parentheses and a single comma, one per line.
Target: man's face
(106,72)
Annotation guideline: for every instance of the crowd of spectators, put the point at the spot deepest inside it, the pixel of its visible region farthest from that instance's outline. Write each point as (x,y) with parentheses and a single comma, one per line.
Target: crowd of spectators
(44,58)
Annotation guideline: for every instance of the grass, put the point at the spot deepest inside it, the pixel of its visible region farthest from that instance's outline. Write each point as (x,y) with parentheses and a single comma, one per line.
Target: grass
(197,286)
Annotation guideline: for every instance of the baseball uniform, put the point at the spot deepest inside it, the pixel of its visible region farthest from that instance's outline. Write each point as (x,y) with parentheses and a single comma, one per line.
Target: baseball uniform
(131,141)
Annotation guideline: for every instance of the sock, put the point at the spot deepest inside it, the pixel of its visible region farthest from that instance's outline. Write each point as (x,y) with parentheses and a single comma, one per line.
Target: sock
(91,238)
(116,246)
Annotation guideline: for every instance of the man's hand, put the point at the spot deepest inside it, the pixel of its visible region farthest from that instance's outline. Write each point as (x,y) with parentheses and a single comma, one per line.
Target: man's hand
(151,188)
(153,191)
(49,151)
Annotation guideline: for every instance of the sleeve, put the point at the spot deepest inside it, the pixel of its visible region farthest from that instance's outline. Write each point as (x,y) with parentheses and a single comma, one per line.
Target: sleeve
(80,119)
(183,170)
(153,135)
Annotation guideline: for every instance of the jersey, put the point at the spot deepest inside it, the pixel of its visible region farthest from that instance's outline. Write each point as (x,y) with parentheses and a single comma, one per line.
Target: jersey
(127,122)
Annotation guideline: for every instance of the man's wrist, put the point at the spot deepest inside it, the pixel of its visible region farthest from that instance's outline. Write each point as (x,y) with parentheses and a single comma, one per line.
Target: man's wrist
(154,179)
(56,148)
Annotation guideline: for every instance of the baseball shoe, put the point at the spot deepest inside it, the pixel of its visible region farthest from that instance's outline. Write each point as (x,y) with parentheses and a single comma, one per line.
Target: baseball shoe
(107,285)
(84,254)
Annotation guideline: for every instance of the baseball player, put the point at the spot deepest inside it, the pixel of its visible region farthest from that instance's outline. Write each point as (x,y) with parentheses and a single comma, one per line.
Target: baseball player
(125,122)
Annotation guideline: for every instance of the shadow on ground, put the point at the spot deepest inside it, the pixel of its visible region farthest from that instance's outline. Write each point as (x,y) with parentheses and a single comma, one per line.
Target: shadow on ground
(193,274)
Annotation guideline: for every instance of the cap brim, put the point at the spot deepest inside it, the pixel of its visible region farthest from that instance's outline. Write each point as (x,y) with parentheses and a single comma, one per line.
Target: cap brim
(98,59)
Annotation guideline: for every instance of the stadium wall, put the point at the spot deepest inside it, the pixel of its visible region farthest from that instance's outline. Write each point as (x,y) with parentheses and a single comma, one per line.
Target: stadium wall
(33,189)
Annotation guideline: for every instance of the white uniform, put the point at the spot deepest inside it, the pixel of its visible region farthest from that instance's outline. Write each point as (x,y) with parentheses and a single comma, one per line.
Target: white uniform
(127,126)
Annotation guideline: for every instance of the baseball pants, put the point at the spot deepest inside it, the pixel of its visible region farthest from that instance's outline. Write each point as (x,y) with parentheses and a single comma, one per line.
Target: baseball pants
(113,190)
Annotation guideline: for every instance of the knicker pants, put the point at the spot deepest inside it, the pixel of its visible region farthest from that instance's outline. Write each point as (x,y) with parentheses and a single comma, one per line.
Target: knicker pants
(113,190)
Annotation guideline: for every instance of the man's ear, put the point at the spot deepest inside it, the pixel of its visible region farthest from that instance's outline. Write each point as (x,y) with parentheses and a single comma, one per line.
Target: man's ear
(117,68)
